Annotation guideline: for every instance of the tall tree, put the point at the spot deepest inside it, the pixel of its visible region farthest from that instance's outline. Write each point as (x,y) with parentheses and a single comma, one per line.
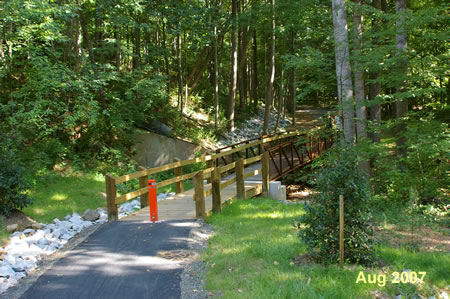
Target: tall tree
(401,105)
(343,71)
(255,73)
(180,74)
(375,86)
(234,68)
(358,71)
(216,82)
(271,78)
(292,89)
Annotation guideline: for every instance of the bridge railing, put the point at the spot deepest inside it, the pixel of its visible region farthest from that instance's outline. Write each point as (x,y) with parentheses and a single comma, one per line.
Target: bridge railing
(217,185)
(211,160)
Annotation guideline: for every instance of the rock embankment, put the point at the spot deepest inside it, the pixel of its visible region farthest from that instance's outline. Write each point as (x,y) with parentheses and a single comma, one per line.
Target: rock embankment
(253,128)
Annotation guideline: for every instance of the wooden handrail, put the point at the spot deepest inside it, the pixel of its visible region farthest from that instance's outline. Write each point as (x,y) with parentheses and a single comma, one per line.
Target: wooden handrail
(253,173)
(142,174)
(253,159)
(138,174)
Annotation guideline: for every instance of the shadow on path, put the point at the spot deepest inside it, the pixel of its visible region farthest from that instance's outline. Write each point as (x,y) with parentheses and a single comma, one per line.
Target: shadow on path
(119,260)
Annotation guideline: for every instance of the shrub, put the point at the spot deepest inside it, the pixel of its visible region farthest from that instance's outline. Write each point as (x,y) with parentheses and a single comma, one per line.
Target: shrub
(319,227)
(13,186)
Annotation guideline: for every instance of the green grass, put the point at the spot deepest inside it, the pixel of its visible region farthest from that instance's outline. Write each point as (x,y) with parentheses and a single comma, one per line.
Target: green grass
(250,257)
(55,195)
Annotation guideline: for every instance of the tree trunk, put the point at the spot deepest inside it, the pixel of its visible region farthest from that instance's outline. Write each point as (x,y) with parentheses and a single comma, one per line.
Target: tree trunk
(271,79)
(255,74)
(280,102)
(166,57)
(401,105)
(292,90)
(197,64)
(180,74)
(234,66)
(361,114)
(204,66)
(375,89)
(343,71)
(117,38)
(137,48)
(216,81)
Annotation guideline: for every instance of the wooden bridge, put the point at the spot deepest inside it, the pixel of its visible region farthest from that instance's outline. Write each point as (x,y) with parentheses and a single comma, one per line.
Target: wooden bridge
(241,170)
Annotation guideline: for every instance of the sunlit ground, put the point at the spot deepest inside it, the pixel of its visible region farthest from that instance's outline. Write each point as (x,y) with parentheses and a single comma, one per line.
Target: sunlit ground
(58,195)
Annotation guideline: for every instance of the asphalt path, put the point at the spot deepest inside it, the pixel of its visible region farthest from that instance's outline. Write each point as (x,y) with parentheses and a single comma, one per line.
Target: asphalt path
(119,260)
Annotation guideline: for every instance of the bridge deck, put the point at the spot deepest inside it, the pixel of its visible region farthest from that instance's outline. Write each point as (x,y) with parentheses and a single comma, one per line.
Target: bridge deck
(182,206)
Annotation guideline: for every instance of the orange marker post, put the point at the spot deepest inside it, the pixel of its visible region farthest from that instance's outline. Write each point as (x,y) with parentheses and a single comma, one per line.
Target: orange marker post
(153,203)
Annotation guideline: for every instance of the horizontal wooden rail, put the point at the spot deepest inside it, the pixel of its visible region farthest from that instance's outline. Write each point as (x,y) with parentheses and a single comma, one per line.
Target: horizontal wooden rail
(228,183)
(175,180)
(253,159)
(253,173)
(131,195)
(227,167)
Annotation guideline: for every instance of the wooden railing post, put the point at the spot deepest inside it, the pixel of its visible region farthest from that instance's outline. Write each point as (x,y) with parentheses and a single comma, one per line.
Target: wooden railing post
(178,171)
(240,186)
(265,174)
(143,182)
(111,193)
(216,192)
(199,196)
(209,164)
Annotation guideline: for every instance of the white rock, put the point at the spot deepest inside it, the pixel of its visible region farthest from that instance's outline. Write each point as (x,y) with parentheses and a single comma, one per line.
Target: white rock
(19,249)
(65,224)
(33,251)
(15,240)
(56,233)
(7,283)
(444,295)
(6,271)
(15,234)
(9,258)
(19,266)
(66,237)
(28,231)
(20,275)
(29,266)
(76,219)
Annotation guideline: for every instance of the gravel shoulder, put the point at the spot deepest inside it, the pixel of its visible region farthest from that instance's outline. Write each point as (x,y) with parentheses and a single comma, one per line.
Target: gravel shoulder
(192,278)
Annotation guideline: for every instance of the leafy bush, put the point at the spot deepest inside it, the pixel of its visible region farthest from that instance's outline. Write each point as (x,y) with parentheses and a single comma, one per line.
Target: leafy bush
(13,185)
(319,227)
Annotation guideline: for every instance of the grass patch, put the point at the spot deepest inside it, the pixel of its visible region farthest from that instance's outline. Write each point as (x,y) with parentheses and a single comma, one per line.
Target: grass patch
(250,257)
(56,195)
(3,234)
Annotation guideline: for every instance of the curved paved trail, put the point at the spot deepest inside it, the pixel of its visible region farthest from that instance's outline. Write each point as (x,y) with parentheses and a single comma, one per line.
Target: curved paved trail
(120,259)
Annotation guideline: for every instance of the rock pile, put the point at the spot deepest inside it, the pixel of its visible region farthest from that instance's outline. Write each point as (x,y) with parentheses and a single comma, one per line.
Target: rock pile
(27,247)
(253,128)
